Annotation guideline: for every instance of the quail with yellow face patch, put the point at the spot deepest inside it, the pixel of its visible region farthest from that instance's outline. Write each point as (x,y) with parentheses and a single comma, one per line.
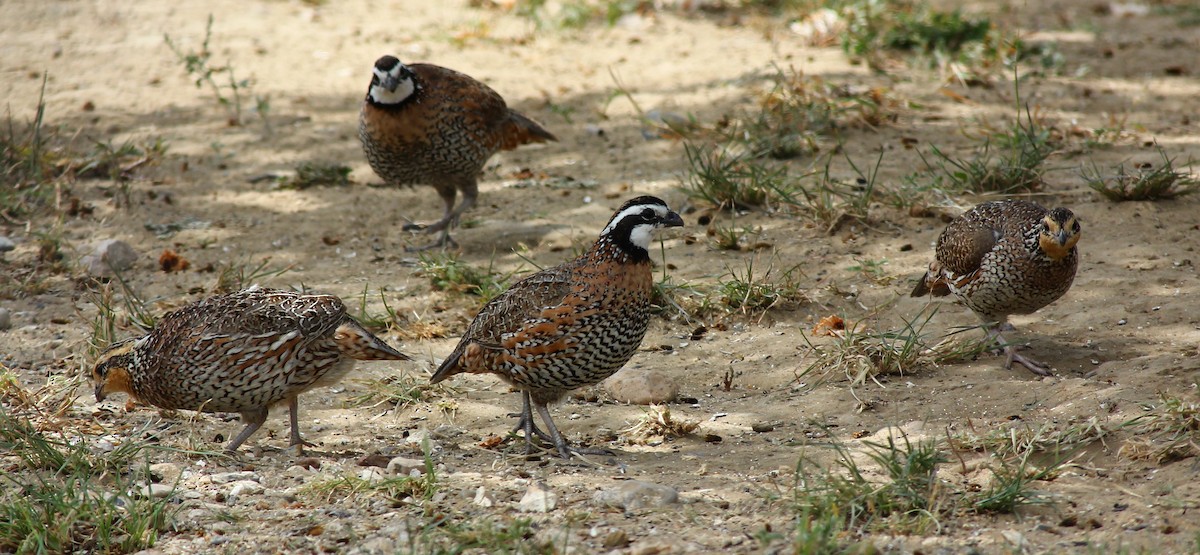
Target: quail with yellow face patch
(1002,258)
(426,124)
(571,325)
(243,352)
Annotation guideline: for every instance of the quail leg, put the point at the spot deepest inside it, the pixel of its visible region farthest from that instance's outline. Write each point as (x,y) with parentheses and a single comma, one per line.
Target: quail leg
(449,217)
(528,425)
(254,420)
(563,449)
(1011,354)
(297,443)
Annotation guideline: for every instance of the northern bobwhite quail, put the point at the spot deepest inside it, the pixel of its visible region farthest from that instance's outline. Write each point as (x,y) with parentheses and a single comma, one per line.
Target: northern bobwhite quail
(571,325)
(425,124)
(242,352)
(1005,257)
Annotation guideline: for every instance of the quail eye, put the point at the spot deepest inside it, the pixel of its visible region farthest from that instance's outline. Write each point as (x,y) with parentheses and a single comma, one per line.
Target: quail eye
(648,213)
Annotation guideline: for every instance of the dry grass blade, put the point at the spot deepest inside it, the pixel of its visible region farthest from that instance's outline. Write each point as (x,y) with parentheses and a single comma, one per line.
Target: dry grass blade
(657,423)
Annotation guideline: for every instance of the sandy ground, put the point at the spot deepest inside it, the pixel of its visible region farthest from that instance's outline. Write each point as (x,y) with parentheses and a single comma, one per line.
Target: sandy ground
(1124,335)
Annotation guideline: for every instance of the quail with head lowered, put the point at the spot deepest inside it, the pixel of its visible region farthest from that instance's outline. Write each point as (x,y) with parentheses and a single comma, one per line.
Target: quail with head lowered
(426,124)
(1002,258)
(242,352)
(571,325)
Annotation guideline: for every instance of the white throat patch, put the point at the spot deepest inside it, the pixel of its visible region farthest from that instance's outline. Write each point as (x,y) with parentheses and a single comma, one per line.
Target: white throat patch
(381,95)
(641,235)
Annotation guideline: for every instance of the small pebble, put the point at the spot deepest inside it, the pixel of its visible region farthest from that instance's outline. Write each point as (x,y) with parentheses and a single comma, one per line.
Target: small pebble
(1122,322)
(6,244)
(108,258)
(5,319)
(403,466)
(538,499)
(635,494)
(156,491)
(227,477)
(483,498)
(166,473)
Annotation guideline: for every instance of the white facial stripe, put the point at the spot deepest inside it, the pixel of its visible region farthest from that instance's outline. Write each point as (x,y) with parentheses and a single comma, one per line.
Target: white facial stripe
(637,209)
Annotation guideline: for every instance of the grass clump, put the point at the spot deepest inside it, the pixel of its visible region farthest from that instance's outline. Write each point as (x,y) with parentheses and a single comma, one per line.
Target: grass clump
(1006,163)
(401,391)
(399,490)
(949,39)
(61,497)
(1169,431)
(572,14)
(862,354)
(732,181)
(749,292)
(448,272)
(1145,182)
(26,163)
(317,174)
(831,499)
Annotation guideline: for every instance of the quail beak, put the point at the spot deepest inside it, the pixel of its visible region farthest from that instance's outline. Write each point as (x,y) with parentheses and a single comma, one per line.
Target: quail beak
(390,83)
(100,394)
(1062,237)
(672,220)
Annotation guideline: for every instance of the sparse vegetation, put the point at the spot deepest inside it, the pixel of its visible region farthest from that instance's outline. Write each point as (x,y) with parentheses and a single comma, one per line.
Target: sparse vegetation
(64,497)
(1168,431)
(448,272)
(733,181)
(1006,163)
(317,174)
(199,65)
(404,390)
(749,292)
(1145,182)
(656,423)
(235,276)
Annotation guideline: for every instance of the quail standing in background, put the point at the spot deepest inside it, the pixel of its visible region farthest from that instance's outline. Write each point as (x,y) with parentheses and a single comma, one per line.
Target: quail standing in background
(242,352)
(571,325)
(425,124)
(1005,257)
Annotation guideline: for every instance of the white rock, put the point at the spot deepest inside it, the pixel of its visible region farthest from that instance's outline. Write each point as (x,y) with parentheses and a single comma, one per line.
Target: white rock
(109,257)
(483,498)
(640,386)
(243,487)
(371,475)
(538,499)
(634,495)
(423,438)
(155,491)
(404,466)
(6,244)
(227,477)
(167,473)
